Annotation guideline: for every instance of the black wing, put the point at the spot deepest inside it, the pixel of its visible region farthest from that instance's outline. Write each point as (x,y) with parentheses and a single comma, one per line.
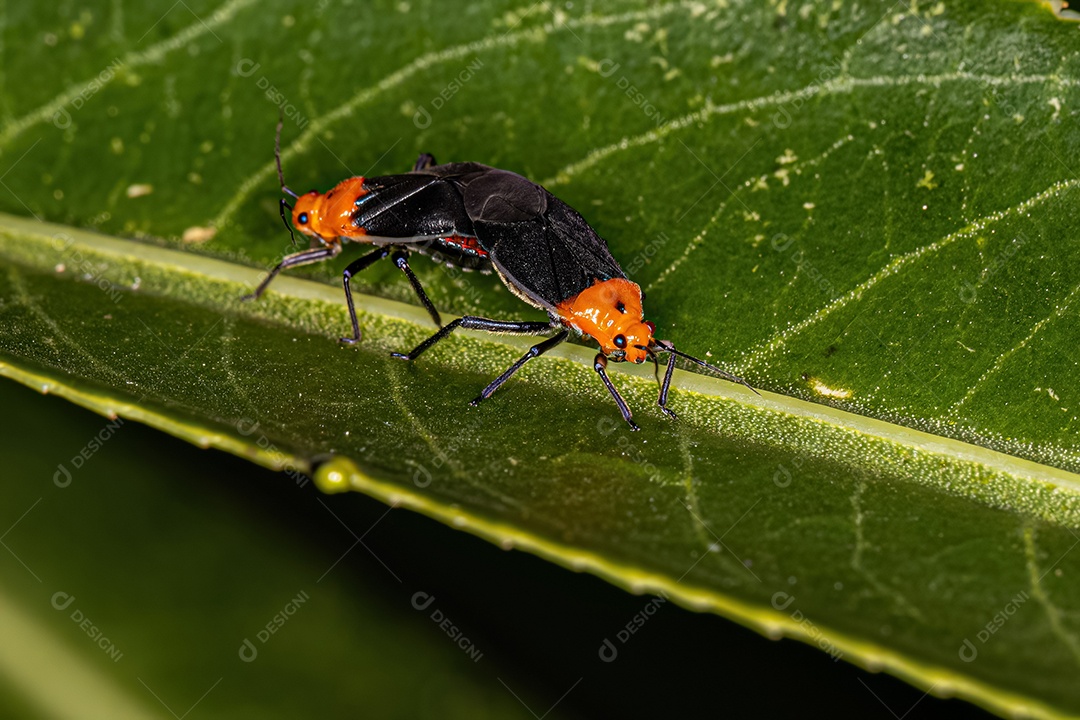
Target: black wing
(541,246)
(411,205)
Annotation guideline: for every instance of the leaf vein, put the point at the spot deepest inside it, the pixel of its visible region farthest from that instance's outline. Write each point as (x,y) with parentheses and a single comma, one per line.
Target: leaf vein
(835,86)
(753,357)
(363,97)
(152,54)
(1058,312)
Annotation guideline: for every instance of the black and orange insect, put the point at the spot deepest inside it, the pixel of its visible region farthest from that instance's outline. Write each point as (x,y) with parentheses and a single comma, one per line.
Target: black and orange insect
(482,218)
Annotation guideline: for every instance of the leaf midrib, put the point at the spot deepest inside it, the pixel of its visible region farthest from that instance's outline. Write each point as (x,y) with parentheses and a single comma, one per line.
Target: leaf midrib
(117,250)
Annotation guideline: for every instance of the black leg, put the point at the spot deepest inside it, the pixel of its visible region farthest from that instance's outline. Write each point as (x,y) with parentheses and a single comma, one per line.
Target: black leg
(665,386)
(354,267)
(423,162)
(301,258)
(600,366)
(470,322)
(401,259)
(535,351)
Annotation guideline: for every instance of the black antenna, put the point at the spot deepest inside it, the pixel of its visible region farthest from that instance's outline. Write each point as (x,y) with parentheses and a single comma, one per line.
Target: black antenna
(668,347)
(277,157)
(281,176)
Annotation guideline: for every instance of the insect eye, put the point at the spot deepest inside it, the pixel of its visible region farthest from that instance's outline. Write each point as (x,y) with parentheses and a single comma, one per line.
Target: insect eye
(620,341)
(621,308)
(302,218)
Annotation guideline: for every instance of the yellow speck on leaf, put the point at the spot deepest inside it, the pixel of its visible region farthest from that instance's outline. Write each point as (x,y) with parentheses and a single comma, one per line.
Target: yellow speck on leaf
(198,235)
(927,181)
(139,189)
(787,158)
(824,390)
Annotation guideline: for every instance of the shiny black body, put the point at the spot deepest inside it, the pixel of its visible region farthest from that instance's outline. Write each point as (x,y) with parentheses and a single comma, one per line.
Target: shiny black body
(542,248)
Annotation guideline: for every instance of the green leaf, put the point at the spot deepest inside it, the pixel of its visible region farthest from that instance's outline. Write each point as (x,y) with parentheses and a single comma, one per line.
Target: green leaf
(867,206)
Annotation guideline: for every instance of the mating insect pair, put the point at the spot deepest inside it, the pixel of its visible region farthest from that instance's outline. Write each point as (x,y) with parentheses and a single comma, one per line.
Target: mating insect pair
(479,217)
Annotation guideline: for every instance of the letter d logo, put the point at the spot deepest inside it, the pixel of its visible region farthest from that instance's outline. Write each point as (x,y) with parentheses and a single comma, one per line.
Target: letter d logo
(62,477)
(422,601)
(248,651)
(422,118)
(62,600)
